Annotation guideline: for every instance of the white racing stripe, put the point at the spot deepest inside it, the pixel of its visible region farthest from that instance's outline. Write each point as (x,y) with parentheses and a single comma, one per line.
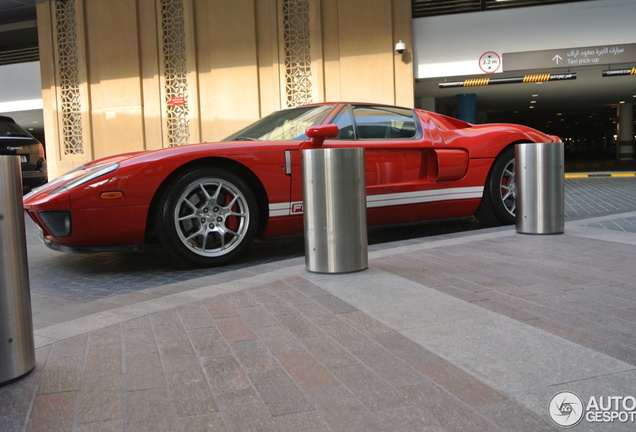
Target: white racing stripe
(279,209)
(386,200)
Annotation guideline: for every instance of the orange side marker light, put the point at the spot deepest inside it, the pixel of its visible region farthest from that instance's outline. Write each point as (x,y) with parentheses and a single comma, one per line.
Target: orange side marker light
(113,195)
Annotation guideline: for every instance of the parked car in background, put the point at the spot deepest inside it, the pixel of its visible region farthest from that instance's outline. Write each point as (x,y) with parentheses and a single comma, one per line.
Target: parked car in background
(14,140)
(206,202)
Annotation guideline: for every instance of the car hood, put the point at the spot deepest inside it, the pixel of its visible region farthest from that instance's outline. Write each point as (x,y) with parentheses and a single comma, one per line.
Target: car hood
(212,148)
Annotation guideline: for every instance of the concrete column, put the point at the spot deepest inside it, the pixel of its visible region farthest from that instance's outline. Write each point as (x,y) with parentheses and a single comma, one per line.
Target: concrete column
(625,131)
(467,107)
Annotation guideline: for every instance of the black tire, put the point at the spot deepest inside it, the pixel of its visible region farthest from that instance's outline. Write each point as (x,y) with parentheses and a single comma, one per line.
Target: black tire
(207,217)
(498,206)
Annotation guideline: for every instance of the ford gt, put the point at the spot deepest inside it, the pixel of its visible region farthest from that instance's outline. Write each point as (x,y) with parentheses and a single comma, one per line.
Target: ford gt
(205,203)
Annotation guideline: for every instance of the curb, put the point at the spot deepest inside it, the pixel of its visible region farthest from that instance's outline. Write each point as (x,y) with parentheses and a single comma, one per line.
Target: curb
(589,175)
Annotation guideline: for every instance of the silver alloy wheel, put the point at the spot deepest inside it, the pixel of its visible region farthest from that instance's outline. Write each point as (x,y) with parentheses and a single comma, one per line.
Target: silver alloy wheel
(508,188)
(211,217)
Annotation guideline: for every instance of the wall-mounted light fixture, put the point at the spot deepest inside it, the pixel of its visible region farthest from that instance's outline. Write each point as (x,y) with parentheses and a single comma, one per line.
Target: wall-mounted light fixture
(400,47)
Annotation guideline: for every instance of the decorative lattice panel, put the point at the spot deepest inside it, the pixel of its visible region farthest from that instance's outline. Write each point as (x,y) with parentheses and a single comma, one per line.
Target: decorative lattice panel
(298,87)
(69,78)
(175,72)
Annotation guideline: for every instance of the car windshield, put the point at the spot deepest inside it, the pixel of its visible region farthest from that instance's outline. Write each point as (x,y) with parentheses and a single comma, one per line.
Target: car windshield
(12,130)
(284,125)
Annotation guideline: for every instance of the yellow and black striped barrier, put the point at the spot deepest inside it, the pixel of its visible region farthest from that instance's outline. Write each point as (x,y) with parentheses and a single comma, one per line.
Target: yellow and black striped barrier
(536,78)
(509,80)
(592,175)
(476,82)
(619,72)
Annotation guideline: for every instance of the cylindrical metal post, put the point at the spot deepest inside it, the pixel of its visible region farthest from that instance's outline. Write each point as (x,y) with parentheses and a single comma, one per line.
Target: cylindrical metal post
(334,207)
(540,188)
(17,349)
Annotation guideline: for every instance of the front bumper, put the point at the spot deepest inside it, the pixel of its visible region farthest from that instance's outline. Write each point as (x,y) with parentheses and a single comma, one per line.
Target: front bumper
(89,230)
(94,249)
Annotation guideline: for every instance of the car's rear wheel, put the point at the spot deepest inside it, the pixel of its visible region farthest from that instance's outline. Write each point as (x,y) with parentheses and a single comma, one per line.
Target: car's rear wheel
(499,205)
(207,217)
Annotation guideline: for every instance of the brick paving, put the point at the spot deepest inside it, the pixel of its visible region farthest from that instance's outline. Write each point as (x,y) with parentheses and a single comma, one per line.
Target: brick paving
(66,285)
(470,331)
(282,356)
(627,224)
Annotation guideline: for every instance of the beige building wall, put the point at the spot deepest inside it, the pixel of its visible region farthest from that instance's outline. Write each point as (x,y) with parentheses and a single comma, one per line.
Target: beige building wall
(129,75)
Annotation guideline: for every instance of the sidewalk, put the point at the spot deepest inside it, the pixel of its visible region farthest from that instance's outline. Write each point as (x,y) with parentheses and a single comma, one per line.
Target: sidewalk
(463,332)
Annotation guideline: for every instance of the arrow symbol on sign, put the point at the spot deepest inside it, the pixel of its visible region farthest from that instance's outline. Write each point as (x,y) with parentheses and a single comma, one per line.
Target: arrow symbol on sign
(556,58)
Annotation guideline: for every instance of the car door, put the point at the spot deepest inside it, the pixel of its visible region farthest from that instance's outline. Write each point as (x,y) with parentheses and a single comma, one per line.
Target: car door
(398,151)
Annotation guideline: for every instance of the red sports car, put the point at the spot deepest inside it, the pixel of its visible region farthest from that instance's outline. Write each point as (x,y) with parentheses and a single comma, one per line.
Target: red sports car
(207,202)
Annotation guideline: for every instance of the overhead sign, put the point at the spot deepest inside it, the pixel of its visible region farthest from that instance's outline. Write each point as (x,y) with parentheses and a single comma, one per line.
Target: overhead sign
(570,57)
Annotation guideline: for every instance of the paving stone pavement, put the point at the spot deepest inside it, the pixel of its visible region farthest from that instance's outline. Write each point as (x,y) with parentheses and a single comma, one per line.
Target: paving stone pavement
(66,286)
(471,331)
(285,355)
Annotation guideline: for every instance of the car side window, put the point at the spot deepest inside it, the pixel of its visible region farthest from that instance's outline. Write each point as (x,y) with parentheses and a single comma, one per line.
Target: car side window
(384,122)
(344,121)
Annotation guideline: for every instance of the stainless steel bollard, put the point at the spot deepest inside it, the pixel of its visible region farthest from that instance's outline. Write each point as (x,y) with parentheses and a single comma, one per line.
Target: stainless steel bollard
(17,349)
(540,187)
(334,207)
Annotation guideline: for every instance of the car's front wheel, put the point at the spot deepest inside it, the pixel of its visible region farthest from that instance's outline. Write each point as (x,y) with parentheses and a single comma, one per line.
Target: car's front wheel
(498,205)
(208,217)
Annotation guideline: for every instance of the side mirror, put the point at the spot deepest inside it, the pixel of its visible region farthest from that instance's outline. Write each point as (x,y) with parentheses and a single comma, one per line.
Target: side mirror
(320,133)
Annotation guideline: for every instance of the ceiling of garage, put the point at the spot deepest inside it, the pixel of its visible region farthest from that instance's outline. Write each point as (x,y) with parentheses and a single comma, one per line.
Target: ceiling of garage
(12,11)
(566,105)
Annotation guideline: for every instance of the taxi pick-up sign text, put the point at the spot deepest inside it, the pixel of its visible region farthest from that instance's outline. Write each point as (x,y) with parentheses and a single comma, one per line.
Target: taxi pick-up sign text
(569,57)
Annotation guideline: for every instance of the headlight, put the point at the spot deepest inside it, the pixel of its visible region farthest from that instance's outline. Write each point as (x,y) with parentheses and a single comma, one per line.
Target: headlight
(83,175)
